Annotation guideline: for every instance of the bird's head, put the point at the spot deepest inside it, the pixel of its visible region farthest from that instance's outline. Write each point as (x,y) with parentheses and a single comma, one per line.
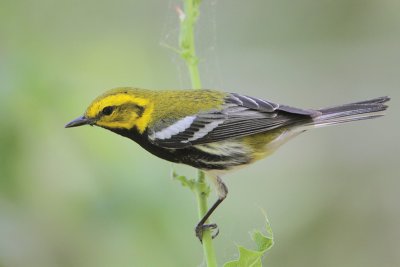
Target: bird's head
(121,108)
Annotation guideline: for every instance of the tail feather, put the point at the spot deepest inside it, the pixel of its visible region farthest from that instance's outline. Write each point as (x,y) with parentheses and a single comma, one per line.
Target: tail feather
(351,112)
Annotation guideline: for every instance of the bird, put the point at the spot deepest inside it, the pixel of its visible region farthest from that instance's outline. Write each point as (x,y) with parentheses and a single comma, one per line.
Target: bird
(211,130)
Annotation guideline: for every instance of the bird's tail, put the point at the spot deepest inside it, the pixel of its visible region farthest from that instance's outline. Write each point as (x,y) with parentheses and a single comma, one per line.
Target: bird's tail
(363,110)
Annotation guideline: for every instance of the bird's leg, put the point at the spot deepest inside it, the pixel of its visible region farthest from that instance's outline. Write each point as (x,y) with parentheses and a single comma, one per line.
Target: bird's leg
(222,190)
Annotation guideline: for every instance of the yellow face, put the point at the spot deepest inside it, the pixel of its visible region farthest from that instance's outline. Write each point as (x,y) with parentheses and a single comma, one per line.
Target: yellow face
(120,111)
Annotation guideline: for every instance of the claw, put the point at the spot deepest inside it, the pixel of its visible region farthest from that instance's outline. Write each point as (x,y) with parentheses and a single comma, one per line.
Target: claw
(200,228)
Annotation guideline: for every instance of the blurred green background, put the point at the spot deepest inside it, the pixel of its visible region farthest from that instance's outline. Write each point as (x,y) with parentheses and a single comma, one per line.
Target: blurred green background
(86,197)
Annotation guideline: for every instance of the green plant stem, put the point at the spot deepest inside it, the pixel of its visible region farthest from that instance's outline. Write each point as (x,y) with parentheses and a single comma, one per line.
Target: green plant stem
(202,190)
(186,40)
(188,53)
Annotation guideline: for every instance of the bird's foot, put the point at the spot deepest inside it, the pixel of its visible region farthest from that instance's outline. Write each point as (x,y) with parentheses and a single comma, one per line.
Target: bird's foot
(200,228)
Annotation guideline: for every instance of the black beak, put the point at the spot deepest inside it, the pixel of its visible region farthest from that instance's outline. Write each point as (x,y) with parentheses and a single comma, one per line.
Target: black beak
(79,122)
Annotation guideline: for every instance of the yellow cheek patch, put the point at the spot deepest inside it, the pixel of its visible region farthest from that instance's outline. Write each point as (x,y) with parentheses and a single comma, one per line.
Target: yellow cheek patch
(145,119)
(129,120)
(110,123)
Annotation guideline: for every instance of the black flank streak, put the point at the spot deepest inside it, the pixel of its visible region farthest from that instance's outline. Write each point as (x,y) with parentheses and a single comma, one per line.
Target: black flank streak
(189,155)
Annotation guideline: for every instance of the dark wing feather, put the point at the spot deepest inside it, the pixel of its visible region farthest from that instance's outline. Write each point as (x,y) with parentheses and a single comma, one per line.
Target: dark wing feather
(240,116)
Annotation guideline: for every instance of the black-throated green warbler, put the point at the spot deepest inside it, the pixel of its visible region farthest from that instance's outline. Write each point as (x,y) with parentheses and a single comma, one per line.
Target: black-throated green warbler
(211,130)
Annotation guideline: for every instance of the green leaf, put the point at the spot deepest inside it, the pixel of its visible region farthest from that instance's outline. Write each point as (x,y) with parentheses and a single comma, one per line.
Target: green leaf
(252,258)
(247,258)
(192,184)
(185,182)
(264,241)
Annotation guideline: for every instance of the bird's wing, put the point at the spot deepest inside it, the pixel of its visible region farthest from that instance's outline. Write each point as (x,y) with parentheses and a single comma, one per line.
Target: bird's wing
(240,116)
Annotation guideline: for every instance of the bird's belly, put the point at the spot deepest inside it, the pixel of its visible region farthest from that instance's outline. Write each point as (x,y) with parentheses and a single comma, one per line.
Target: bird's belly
(222,155)
(234,153)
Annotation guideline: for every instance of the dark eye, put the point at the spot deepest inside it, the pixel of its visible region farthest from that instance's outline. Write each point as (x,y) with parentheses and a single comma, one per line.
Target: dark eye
(107,110)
